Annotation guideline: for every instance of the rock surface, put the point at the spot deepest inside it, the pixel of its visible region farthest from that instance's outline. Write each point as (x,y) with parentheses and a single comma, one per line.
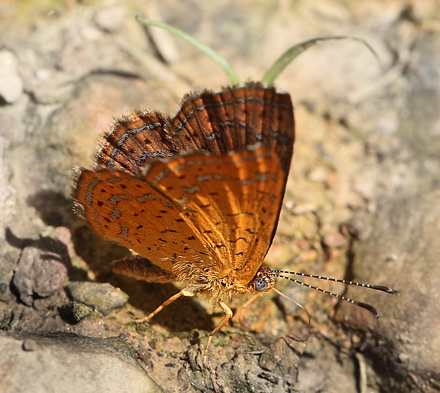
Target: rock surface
(103,297)
(361,203)
(70,363)
(41,270)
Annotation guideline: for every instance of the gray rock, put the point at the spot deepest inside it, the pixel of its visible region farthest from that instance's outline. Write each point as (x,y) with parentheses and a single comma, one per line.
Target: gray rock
(42,269)
(62,362)
(407,227)
(74,312)
(103,297)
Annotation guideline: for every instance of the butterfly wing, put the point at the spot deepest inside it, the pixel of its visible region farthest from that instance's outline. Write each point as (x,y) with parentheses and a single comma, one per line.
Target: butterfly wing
(234,119)
(134,141)
(230,203)
(230,120)
(128,210)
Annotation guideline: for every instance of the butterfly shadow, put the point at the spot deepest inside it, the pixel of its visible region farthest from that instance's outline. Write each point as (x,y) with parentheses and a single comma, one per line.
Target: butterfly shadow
(56,210)
(183,315)
(53,208)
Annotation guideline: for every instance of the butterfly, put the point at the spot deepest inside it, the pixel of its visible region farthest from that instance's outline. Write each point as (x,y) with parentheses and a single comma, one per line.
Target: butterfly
(197,196)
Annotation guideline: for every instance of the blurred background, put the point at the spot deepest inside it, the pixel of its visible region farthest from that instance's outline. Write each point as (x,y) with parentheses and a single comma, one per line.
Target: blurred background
(362,201)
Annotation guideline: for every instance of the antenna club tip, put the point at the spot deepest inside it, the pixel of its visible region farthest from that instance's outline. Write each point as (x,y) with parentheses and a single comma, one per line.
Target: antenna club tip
(391,291)
(385,289)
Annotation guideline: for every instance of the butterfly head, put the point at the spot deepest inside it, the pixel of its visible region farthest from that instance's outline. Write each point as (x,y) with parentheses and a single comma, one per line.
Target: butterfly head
(263,281)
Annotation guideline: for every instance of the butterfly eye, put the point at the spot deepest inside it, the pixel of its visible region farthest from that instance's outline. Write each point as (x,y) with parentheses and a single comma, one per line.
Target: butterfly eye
(261,284)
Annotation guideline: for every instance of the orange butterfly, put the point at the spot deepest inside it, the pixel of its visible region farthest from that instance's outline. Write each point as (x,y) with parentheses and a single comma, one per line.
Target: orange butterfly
(199,195)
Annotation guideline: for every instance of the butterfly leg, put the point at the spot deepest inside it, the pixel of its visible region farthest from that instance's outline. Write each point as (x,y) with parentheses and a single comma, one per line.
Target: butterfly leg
(228,316)
(238,316)
(166,303)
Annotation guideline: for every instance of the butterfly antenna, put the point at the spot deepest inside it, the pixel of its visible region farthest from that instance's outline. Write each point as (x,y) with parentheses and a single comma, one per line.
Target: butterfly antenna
(276,273)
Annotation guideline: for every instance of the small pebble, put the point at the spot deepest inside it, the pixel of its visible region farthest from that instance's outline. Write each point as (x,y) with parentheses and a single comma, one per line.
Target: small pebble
(30,345)
(75,312)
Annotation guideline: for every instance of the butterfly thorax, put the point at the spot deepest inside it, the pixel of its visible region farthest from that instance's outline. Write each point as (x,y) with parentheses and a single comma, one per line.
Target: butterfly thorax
(216,287)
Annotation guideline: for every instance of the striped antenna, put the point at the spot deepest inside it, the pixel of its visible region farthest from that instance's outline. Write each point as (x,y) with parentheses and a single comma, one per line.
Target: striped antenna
(277,273)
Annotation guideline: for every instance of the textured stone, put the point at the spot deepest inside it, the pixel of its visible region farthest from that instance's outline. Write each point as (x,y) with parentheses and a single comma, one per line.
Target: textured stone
(42,269)
(103,297)
(62,362)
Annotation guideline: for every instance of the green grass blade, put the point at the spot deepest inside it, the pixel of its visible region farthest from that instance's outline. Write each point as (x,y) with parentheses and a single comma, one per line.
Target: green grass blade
(221,61)
(285,59)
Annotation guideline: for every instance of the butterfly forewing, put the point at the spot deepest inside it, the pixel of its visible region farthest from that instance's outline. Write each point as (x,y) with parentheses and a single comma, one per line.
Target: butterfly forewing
(235,227)
(128,210)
